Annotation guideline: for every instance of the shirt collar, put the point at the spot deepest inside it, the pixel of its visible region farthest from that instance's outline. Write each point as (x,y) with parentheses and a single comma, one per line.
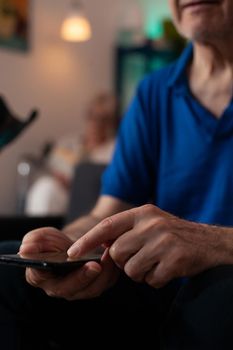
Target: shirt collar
(177,77)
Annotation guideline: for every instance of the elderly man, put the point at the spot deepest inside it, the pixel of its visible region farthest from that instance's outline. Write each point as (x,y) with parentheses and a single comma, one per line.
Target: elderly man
(174,150)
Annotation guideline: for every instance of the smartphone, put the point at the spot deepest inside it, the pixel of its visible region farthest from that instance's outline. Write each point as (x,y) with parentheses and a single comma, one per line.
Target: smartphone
(56,262)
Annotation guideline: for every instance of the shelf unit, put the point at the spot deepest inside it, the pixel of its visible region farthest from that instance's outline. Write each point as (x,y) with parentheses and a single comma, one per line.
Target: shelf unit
(132,63)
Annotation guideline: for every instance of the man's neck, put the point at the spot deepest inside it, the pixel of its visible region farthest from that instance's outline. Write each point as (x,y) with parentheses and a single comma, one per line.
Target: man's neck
(210,60)
(211,77)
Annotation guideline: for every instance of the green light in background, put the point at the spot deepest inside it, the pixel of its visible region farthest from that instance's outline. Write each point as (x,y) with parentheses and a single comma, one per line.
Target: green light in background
(153,28)
(154,13)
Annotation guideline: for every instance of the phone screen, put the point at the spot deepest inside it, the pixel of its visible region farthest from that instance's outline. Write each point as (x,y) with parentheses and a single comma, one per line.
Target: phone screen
(53,261)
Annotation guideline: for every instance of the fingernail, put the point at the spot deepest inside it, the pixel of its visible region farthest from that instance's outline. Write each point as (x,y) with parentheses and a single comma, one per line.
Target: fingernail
(21,248)
(73,251)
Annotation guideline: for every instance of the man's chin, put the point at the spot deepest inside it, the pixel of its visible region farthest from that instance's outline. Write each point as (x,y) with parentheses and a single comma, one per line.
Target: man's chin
(208,37)
(204,35)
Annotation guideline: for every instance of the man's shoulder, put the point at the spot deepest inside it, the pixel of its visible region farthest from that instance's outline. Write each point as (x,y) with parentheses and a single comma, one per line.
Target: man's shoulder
(158,78)
(168,76)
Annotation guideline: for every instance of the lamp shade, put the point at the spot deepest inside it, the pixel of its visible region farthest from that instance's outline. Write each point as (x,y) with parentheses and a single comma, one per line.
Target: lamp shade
(76,26)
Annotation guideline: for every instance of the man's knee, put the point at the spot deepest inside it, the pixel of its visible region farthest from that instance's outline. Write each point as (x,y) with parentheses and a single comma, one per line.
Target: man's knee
(202,314)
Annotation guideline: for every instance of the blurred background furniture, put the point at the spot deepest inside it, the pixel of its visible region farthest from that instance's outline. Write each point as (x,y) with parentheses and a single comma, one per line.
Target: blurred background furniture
(84,189)
(46,192)
(83,194)
(133,62)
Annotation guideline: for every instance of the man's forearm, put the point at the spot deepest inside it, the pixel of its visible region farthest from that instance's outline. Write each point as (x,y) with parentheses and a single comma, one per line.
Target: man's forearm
(79,227)
(223,243)
(105,206)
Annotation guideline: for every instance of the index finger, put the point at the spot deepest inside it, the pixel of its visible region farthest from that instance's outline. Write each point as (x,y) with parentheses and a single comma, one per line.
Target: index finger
(107,230)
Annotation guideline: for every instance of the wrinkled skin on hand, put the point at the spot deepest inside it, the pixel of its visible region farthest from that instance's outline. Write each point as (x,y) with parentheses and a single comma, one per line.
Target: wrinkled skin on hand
(153,246)
(86,282)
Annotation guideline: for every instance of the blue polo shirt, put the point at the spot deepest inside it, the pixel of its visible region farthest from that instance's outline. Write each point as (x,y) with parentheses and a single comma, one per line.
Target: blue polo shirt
(172,151)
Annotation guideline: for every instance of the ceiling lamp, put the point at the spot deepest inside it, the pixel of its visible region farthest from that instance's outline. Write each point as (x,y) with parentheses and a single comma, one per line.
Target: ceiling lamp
(76,26)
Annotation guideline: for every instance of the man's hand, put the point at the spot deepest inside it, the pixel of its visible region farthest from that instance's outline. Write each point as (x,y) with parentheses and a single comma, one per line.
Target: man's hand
(156,247)
(88,281)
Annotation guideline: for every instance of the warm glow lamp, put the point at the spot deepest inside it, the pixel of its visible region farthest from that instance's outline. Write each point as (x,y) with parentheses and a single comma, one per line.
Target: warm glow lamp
(76,26)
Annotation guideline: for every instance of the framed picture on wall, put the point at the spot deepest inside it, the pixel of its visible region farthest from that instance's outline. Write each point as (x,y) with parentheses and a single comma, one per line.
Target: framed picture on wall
(14,24)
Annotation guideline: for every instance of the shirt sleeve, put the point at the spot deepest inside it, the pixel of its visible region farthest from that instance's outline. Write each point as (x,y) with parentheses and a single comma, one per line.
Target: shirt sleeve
(130,175)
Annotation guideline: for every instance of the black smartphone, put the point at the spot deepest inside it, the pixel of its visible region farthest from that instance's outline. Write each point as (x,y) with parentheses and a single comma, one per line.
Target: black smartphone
(56,262)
